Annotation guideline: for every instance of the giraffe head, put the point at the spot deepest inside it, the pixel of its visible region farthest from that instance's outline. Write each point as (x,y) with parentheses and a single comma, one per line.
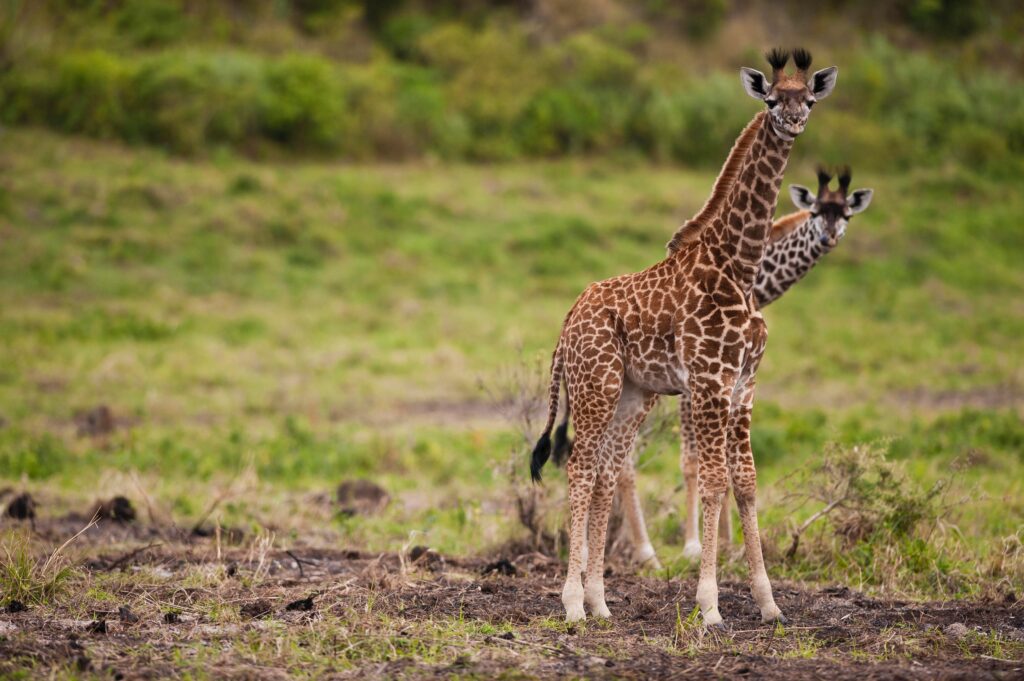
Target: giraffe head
(831,210)
(789,98)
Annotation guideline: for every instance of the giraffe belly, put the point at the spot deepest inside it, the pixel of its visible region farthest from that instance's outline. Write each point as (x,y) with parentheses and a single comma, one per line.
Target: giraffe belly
(661,373)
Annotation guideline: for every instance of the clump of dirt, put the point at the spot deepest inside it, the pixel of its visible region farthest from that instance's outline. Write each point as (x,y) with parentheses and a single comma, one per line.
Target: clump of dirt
(361,497)
(95,422)
(301,605)
(426,557)
(14,606)
(502,566)
(256,609)
(22,507)
(118,509)
(125,614)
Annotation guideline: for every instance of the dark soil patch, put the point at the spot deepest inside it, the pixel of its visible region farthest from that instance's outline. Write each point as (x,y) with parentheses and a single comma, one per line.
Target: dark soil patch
(388,616)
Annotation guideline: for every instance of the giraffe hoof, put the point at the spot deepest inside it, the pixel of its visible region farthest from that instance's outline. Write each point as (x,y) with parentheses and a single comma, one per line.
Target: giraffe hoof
(777,618)
(575,614)
(648,558)
(713,619)
(717,626)
(601,612)
(691,550)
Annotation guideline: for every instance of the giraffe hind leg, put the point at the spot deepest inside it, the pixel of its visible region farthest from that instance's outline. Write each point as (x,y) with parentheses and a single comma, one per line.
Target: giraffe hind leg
(617,446)
(583,470)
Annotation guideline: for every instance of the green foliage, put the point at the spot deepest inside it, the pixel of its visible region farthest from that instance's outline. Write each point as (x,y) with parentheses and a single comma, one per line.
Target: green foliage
(151,23)
(946,18)
(302,103)
(492,91)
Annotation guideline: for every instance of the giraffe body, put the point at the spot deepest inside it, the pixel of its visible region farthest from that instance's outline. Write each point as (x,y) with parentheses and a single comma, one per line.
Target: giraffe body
(687,325)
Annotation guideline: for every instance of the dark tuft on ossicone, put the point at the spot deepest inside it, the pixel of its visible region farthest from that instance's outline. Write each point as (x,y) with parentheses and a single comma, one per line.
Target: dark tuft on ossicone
(802,58)
(844,178)
(824,177)
(777,57)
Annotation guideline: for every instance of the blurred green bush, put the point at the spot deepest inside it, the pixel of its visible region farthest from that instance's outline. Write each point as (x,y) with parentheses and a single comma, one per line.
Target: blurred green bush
(493,91)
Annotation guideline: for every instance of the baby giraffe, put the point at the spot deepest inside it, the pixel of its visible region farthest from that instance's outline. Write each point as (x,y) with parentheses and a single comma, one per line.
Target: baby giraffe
(798,241)
(687,325)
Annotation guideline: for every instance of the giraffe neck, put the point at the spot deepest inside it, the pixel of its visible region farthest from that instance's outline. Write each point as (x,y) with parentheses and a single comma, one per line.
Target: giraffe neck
(738,235)
(788,260)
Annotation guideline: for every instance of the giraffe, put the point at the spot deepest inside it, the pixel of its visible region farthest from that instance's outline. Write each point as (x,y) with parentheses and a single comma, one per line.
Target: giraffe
(686,325)
(798,241)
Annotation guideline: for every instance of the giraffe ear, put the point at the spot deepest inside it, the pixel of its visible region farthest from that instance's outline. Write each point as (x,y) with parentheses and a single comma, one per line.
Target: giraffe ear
(859,200)
(823,81)
(754,83)
(803,198)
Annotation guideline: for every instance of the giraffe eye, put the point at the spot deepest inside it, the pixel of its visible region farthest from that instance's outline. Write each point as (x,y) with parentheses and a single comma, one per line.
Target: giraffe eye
(771,103)
(810,104)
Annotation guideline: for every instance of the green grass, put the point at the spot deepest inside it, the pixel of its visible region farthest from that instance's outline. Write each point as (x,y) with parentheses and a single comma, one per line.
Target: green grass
(271,328)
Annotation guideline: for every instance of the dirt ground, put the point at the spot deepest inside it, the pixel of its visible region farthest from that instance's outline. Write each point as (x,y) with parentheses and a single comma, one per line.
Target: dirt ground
(152,602)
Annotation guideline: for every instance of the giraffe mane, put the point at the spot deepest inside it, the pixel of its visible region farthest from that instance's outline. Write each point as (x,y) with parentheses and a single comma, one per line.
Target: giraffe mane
(692,228)
(786,224)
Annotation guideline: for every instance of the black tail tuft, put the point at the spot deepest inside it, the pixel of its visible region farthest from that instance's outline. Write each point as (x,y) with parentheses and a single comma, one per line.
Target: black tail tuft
(540,456)
(562,447)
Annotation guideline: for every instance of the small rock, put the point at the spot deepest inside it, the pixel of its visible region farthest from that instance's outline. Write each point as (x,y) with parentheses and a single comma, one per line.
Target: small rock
(361,497)
(22,507)
(118,509)
(126,615)
(302,605)
(14,606)
(256,609)
(96,421)
(502,567)
(97,626)
(956,630)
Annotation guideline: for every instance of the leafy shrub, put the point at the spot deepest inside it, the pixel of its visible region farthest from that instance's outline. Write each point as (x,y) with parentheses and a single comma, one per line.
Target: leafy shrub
(87,94)
(150,23)
(302,103)
(186,100)
(945,18)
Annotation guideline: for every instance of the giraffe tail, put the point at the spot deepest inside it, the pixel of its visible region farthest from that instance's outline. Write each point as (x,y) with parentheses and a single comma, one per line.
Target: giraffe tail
(562,447)
(542,450)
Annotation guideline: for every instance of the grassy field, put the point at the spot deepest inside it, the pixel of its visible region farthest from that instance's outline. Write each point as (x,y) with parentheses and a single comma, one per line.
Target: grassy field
(261,332)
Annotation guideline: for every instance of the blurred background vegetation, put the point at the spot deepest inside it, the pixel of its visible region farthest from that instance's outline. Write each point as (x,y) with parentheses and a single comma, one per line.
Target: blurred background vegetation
(289,242)
(922,80)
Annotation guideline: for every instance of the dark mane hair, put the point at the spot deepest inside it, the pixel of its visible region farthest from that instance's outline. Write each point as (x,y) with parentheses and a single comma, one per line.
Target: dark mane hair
(802,59)
(777,58)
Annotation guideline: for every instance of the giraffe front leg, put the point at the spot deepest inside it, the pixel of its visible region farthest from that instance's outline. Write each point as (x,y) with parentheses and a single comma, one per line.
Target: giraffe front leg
(744,482)
(710,409)
(688,464)
(643,550)
(725,523)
